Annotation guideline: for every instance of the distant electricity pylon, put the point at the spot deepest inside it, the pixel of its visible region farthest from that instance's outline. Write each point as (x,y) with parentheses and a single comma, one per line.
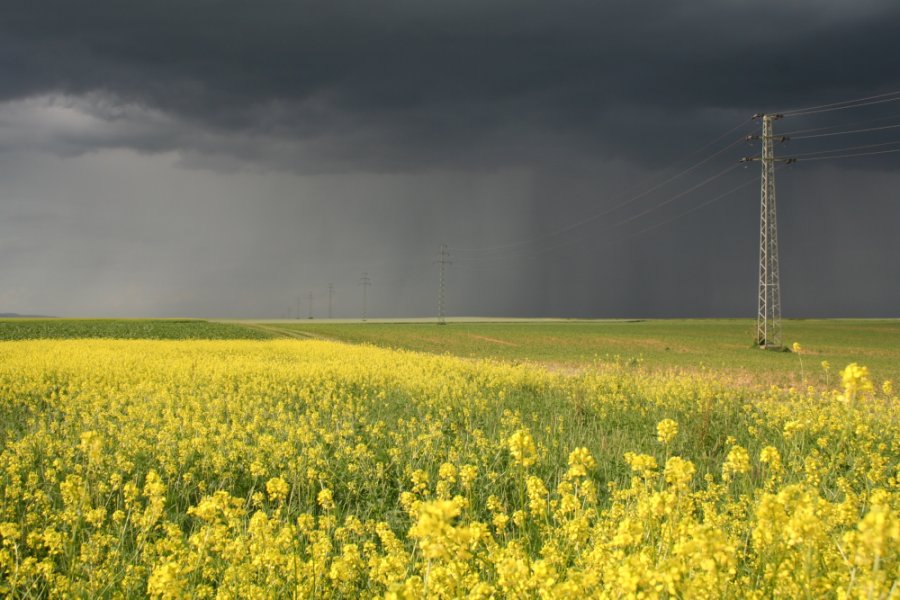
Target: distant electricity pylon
(298,307)
(443,260)
(768,316)
(330,298)
(365,281)
(310,306)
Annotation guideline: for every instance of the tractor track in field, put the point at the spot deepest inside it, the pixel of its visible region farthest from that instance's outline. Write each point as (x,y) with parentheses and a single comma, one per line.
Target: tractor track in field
(286,332)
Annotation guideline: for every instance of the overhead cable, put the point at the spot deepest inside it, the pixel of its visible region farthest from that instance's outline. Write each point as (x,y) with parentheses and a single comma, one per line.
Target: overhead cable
(610,226)
(690,210)
(605,212)
(849,106)
(852,155)
(865,101)
(845,149)
(847,132)
(830,127)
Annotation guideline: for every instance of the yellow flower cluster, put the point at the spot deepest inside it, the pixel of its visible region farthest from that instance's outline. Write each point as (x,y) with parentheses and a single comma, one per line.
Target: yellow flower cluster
(856,381)
(737,461)
(274,469)
(522,448)
(580,462)
(666,430)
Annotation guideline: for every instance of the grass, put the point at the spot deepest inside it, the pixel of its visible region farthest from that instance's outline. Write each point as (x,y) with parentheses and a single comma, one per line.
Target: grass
(718,344)
(155,329)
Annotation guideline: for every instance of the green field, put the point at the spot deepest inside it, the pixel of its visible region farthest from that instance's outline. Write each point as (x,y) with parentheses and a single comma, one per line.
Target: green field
(149,329)
(722,345)
(719,344)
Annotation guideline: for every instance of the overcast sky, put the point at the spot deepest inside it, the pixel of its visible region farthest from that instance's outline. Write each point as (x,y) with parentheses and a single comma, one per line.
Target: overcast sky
(223,158)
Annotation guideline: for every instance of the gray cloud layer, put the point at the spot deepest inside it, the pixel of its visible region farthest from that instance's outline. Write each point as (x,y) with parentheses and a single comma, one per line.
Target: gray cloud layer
(215,142)
(404,84)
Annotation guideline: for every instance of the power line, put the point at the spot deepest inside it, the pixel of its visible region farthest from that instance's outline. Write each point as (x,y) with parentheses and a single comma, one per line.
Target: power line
(767,226)
(670,199)
(610,226)
(805,154)
(847,132)
(687,212)
(678,216)
(414,271)
(630,200)
(843,104)
(365,281)
(768,322)
(443,261)
(330,298)
(815,112)
(768,316)
(830,127)
(852,155)
(858,102)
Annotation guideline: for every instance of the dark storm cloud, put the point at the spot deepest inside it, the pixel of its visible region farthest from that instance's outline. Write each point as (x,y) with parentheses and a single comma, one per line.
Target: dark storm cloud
(405,85)
(321,139)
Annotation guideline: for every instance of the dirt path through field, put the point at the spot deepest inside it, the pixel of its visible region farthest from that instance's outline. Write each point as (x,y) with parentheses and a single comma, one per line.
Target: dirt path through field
(493,340)
(285,332)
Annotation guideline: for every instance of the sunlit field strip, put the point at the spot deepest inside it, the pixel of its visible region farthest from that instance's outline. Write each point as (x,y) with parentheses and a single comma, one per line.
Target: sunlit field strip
(724,345)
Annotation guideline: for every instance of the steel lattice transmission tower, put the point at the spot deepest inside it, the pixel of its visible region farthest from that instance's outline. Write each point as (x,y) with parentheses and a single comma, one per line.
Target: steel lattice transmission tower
(330,298)
(443,260)
(768,316)
(365,281)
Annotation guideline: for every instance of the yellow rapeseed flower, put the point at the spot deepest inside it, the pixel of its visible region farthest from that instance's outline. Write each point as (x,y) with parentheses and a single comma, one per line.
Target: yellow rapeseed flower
(666,430)
(163,468)
(679,472)
(522,448)
(737,461)
(642,464)
(855,379)
(325,499)
(580,462)
(277,489)
(770,456)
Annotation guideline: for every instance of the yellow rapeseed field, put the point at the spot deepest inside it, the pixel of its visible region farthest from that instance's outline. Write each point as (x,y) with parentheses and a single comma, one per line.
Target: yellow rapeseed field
(280,469)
